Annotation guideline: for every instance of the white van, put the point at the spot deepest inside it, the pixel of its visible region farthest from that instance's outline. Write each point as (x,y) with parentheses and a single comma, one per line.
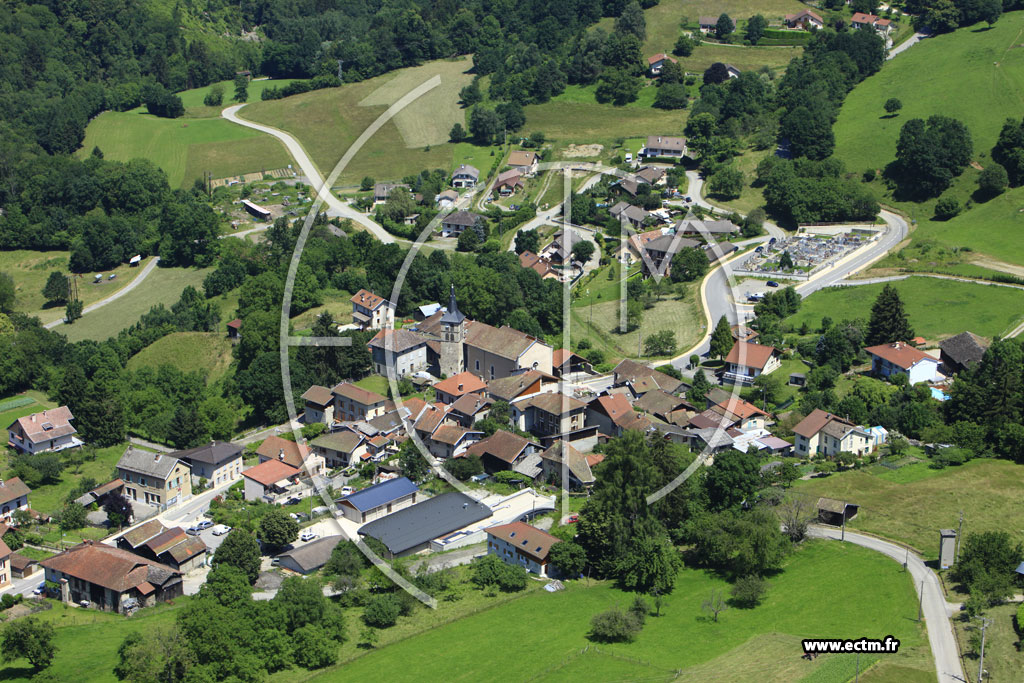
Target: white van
(629,157)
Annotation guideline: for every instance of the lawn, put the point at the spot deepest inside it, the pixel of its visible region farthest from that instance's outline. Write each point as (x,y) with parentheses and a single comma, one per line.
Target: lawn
(162,286)
(13,407)
(1002,657)
(742,57)
(327,122)
(377,383)
(914,511)
(760,644)
(593,123)
(983,309)
(207,352)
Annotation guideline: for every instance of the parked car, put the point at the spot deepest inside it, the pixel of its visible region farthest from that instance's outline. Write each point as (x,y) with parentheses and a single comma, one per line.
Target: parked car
(204,524)
(297,516)
(347,490)
(192,531)
(294,500)
(40,589)
(572,519)
(772,283)
(308,535)
(112,276)
(221,529)
(349,472)
(275,561)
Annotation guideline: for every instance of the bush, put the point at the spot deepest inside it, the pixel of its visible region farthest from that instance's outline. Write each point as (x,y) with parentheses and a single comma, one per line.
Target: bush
(946,208)
(489,571)
(382,611)
(748,591)
(614,626)
(313,648)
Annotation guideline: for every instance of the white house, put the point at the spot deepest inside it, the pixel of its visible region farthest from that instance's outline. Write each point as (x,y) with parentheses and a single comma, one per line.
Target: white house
(746,362)
(663,146)
(465,176)
(269,479)
(657,62)
(13,496)
(401,349)
(521,545)
(902,358)
(371,312)
(822,433)
(50,430)
(524,161)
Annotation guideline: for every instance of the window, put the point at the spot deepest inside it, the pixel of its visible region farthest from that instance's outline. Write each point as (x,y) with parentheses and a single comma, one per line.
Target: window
(478,365)
(492,372)
(142,481)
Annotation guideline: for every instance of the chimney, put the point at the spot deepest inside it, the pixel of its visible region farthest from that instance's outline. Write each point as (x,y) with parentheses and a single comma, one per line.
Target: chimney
(156,457)
(280,454)
(460,386)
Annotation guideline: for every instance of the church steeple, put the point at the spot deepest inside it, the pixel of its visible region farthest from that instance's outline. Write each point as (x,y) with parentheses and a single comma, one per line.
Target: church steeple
(453,334)
(452,316)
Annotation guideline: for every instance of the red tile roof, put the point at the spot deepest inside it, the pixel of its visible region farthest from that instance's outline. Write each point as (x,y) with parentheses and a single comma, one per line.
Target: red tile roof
(462,383)
(274,446)
(270,472)
(900,354)
(113,568)
(816,421)
(49,424)
(740,408)
(659,57)
(529,540)
(750,355)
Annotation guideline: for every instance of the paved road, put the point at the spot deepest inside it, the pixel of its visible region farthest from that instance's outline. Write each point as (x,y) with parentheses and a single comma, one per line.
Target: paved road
(696,193)
(116,295)
(907,44)
(336,207)
(940,629)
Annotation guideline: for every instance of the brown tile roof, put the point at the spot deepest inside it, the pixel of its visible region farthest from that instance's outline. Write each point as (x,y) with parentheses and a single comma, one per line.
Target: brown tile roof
(358,394)
(816,421)
(520,157)
(143,533)
(529,540)
(750,355)
(274,446)
(900,354)
(861,18)
(4,550)
(709,419)
(450,434)
(396,341)
(19,563)
(462,383)
(806,13)
(13,488)
(615,406)
(672,143)
(661,403)
(504,446)
(367,299)
(508,388)
(579,464)
(235,324)
(270,472)
(633,372)
(740,408)
(430,419)
(506,342)
(554,404)
(166,540)
(113,568)
(528,259)
(344,441)
(187,549)
(659,57)
(471,404)
(46,425)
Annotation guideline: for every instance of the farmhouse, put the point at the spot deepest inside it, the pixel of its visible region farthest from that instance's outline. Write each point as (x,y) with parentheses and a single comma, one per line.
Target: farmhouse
(465,176)
(107,577)
(522,545)
(805,19)
(13,496)
(663,146)
(523,161)
(157,479)
(371,312)
(900,358)
(319,405)
(399,349)
(378,500)
(411,530)
(218,462)
(822,433)
(456,222)
(961,352)
(50,430)
(746,362)
(656,63)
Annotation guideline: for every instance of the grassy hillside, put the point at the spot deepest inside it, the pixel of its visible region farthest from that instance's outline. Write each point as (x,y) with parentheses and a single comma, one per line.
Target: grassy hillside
(208,352)
(754,645)
(937,308)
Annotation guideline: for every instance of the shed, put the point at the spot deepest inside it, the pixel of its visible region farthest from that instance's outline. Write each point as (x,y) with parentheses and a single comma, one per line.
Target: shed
(379,500)
(947,548)
(797,379)
(307,558)
(832,511)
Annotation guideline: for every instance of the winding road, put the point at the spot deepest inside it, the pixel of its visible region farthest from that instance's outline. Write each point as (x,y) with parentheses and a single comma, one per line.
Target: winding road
(933,602)
(147,269)
(336,207)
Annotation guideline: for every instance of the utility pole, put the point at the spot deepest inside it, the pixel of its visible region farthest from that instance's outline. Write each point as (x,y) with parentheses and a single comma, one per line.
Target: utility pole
(920,602)
(843,536)
(906,561)
(985,623)
(959,530)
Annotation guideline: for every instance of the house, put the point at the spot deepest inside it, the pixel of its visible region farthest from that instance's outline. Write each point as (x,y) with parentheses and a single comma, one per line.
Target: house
(743,415)
(627,212)
(234,329)
(381,191)
(136,538)
(402,350)
(559,250)
(269,480)
(447,391)
(378,500)
(99,494)
(340,449)
(175,548)
(612,414)
(371,312)
(446,199)
(319,405)
(156,479)
(111,579)
(745,362)
(13,496)
(456,222)
(309,557)
(528,259)
(665,146)
(551,416)
(655,63)
(861,20)
(581,476)
(50,430)
(452,440)
(469,409)
(411,530)
(733,71)
(642,378)
(659,252)
(218,462)
(503,450)
(564,363)
(352,402)
(514,387)
(705,229)
(835,512)
(521,545)
(508,182)
(822,433)
(6,573)
(296,455)
(961,352)
(900,358)
(666,407)
(465,176)
(805,19)
(523,161)
(710,24)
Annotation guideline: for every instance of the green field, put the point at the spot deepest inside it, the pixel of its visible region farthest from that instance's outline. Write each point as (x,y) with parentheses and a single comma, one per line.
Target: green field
(49,499)
(936,308)
(1002,653)
(914,511)
(593,123)
(753,645)
(13,407)
(207,352)
(162,286)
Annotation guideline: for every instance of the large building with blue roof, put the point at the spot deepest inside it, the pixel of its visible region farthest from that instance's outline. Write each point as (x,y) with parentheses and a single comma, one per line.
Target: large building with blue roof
(378,500)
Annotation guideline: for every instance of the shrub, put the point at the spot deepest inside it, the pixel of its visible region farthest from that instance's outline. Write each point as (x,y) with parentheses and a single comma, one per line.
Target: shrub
(748,590)
(614,626)
(382,611)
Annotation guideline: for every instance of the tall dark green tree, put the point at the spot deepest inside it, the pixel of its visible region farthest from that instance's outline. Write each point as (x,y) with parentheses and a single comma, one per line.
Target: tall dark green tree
(240,550)
(889,321)
(721,339)
(756,26)
(56,289)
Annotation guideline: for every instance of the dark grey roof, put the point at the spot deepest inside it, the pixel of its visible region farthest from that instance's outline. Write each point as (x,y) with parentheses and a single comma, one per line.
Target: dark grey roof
(153,464)
(311,556)
(669,244)
(380,494)
(463,218)
(964,349)
(452,315)
(213,453)
(423,522)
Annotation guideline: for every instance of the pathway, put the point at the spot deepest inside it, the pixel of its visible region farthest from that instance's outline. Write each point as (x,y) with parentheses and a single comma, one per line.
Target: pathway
(336,207)
(933,602)
(907,44)
(116,295)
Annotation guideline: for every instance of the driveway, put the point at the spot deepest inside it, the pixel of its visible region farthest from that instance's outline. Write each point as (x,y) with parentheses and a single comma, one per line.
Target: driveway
(116,295)
(907,44)
(336,207)
(940,629)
